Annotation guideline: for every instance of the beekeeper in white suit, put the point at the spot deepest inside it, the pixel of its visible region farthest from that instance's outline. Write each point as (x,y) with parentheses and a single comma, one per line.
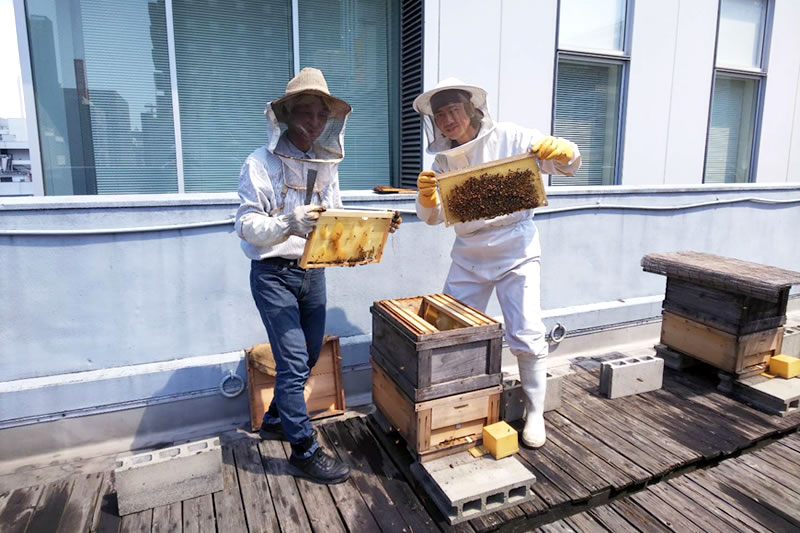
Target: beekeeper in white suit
(283,188)
(501,253)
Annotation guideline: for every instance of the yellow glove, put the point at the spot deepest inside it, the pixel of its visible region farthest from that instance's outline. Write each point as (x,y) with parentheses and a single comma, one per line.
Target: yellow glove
(426,183)
(553,148)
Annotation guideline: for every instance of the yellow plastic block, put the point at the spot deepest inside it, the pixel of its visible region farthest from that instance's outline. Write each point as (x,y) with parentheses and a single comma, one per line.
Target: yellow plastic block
(784,366)
(500,439)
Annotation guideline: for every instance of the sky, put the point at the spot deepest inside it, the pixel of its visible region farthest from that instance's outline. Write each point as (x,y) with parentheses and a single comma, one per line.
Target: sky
(10,84)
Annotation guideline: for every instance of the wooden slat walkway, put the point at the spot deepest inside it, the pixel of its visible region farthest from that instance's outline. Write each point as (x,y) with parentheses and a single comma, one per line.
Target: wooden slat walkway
(758,491)
(642,463)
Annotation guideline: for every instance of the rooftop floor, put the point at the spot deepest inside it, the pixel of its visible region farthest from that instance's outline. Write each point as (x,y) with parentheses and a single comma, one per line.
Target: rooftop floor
(683,458)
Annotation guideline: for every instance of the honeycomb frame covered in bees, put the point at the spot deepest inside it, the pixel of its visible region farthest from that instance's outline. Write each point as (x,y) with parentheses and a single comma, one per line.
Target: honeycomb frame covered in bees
(347,237)
(491,189)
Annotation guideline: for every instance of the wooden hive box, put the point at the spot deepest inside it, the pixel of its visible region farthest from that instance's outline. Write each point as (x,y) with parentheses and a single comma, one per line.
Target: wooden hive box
(347,237)
(491,189)
(434,346)
(439,427)
(736,354)
(324,391)
(723,311)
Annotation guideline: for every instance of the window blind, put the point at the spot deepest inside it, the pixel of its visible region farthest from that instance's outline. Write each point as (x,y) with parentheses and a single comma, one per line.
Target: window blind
(231,58)
(730,136)
(411,57)
(347,40)
(587,113)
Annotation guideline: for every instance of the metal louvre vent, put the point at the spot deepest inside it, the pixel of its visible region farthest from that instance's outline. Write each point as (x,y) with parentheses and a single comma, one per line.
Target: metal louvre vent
(411,24)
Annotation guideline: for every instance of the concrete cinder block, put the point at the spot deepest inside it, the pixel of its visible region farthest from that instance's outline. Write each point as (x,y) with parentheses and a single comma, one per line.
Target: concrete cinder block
(513,405)
(631,375)
(170,475)
(791,342)
(466,487)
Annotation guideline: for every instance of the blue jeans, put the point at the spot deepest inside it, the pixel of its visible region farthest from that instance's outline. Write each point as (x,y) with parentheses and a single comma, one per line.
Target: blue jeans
(291,301)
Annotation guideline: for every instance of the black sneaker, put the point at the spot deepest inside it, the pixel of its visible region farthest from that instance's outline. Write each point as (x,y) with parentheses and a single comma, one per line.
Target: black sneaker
(321,468)
(275,432)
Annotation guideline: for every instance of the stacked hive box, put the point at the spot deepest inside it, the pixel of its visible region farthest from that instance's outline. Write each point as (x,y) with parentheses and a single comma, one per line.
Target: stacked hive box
(436,371)
(725,312)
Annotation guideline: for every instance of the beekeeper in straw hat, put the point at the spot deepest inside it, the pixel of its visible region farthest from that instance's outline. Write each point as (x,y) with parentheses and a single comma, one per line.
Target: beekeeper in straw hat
(283,188)
(501,253)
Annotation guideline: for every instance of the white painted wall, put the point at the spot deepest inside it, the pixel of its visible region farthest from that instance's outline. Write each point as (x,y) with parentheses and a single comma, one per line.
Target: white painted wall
(692,74)
(779,149)
(505,46)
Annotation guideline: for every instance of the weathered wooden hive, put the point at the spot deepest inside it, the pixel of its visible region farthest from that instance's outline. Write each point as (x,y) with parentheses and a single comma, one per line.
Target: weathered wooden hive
(436,371)
(725,312)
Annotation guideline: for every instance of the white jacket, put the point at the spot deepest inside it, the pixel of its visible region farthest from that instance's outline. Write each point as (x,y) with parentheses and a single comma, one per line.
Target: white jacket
(489,248)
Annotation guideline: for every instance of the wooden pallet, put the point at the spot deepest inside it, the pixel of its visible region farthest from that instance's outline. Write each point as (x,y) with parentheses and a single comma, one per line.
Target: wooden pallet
(324,390)
(347,237)
(449,181)
(439,427)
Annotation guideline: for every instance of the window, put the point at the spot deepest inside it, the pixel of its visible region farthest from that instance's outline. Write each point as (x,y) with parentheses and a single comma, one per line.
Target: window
(231,57)
(736,96)
(103,99)
(347,40)
(590,78)
(105,73)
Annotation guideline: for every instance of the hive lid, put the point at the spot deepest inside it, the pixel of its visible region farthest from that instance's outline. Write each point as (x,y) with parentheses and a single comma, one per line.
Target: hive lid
(724,273)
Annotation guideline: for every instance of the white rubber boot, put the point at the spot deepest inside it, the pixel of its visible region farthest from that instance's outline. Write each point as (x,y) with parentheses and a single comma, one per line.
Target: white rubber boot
(533,376)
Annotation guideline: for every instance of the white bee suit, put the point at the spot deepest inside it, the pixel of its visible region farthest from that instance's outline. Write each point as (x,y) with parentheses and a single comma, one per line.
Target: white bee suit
(501,253)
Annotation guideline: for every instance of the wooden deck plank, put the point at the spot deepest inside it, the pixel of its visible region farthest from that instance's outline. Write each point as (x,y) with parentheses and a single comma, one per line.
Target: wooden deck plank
(256,495)
(283,487)
(570,448)
(106,515)
(317,499)
(585,523)
(733,410)
(591,481)
(559,526)
(486,522)
(50,507)
(411,509)
(19,508)
(728,491)
(666,515)
(698,512)
(722,437)
(395,448)
(198,515)
(228,502)
(79,512)
(669,449)
(168,518)
(638,516)
(667,420)
(792,441)
(140,522)
(722,508)
(777,473)
(612,520)
(746,481)
(786,454)
(379,502)
(353,508)
(598,447)
(630,444)
(552,485)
